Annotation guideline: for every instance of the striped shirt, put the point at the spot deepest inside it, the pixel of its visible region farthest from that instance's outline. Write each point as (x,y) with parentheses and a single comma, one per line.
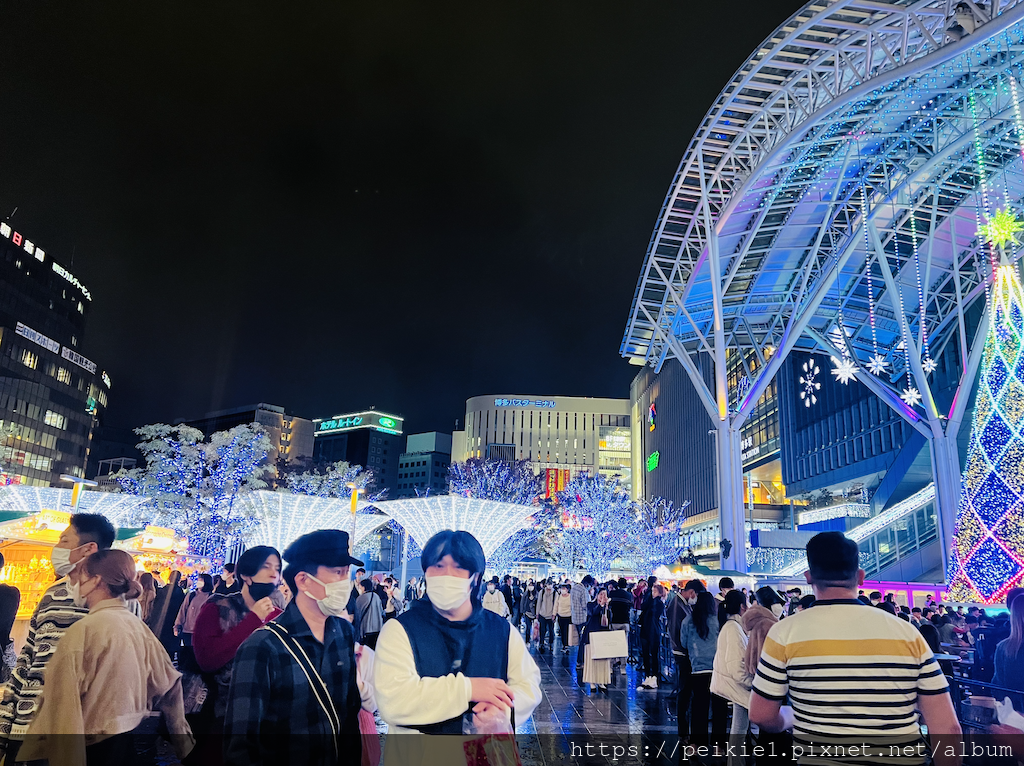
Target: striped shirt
(20,696)
(852,673)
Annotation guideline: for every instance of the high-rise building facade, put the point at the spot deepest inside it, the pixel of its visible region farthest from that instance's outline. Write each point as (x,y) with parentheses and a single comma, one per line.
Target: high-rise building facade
(569,434)
(291,437)
(51,393)
(371,439)
(423,467)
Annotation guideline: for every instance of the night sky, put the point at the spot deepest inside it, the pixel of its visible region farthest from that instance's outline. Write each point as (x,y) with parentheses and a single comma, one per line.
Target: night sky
(333,205)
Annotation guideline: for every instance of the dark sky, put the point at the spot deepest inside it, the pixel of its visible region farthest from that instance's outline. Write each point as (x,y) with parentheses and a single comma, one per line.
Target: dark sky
(332,205)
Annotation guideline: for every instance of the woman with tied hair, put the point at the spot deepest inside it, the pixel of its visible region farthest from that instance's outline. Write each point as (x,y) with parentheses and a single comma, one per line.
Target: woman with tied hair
(224,622)
(108,673)
(730,677)
(446,657)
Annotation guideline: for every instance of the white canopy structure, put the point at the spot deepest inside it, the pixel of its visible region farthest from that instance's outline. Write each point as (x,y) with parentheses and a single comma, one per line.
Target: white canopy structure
(117,507)
(489,521)
(285,516)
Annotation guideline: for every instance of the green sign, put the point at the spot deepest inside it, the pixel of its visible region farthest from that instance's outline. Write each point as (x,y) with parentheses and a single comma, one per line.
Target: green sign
(652,461)
(387,422)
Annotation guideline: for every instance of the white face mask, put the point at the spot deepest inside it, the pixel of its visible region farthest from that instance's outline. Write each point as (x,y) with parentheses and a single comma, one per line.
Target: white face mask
(336,598)
(60,558)
(74,590)
(448,592)
(490,588)
(691,601)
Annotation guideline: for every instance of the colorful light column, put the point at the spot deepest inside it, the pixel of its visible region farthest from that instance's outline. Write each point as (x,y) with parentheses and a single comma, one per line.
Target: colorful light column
(988,538)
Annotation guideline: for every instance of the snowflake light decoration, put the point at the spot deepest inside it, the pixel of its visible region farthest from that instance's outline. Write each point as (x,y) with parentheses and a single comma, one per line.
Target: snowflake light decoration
(877,364)
(911,396)
(845,369)
(929,366)
(810,385)
(1002,228)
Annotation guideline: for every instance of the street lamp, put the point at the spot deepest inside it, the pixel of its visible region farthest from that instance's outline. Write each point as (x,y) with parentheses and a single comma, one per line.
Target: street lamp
(355,504)
(76,491)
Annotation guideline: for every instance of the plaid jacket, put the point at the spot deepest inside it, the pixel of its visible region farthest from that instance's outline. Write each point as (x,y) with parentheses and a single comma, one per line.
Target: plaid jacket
(273,717)
(580,596)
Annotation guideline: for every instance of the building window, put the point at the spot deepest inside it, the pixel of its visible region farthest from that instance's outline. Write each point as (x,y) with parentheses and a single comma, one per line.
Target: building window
(29,359)
(64,376)
(55,419)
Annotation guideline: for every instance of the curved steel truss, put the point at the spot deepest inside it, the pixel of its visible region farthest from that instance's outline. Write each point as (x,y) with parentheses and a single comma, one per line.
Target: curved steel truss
(831,201)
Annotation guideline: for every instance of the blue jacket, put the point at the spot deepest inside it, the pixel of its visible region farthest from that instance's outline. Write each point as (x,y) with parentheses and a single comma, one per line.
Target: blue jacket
(1009,670)
(701,650)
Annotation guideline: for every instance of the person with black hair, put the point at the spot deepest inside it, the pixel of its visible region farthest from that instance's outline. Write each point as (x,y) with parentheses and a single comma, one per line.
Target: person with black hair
(85,535)
(730,678)
(185,622)
(369,616)
(651,614)
(294,694)
(447,657)
(699,635)
(229,583)
(528,609)
(875,668)
(223,625)
(620,601)
(106,676)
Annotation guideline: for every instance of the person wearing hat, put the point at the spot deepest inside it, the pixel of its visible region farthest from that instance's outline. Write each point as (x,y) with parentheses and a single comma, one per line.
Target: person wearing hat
(494,599)
(446,658)
(294,697)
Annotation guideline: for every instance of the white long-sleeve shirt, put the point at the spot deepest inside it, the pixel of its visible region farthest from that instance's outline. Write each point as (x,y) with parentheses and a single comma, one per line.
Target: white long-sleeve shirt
(494,601)
(405,699)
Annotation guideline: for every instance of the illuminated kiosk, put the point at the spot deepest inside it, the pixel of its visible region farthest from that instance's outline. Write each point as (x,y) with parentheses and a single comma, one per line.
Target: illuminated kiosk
(831,203)
(284,516)
(489,521)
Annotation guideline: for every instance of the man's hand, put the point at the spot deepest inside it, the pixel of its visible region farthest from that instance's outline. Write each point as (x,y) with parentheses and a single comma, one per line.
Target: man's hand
(493,691)
(263,608)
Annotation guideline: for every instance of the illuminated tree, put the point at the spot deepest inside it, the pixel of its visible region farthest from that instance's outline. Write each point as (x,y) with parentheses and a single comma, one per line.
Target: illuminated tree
(192,485)
(496,480)
(988,547)
(333,481)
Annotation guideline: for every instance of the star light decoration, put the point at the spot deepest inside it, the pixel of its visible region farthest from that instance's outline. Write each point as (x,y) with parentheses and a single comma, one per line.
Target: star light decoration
(845,369)
(877,364)
(810,385)
(929,366)
(1001,229)
(911,396)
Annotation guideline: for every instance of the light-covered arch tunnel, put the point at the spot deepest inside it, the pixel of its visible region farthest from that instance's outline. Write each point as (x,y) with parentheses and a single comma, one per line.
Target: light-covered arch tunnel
(831,202)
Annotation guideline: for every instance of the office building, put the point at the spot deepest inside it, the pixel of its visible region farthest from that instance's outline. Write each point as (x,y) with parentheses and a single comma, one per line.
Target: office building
(291,437)
(51,394)
(559,436)
(423,467)
(370,438)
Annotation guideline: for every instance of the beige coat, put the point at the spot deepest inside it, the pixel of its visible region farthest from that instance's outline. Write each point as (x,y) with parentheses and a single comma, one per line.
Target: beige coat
(107,668)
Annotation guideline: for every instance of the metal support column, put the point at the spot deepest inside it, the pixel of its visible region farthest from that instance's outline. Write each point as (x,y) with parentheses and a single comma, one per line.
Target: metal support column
(946,472)
(731,509)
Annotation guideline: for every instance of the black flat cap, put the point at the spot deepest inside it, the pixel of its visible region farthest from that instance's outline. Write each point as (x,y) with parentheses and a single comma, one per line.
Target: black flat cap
(324,547)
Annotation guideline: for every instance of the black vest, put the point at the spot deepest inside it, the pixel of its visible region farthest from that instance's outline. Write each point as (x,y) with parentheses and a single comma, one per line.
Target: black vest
(477,648)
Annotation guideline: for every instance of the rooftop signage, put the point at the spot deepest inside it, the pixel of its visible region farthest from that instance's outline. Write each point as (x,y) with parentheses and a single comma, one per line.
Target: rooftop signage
(376,421)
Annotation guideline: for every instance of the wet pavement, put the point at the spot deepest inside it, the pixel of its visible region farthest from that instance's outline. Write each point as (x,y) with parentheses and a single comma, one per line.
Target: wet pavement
(634,725)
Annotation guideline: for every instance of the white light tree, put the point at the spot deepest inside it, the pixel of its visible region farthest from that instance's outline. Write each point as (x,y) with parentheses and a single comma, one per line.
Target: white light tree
(192,484)
(601,524)
(333,481)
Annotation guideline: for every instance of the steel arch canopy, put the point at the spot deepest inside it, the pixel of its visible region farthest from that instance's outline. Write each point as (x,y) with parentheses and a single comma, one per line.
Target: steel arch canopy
(831,200)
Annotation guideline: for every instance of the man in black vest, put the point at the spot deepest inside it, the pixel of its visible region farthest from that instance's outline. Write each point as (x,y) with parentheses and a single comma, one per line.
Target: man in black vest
(446,656)
(294,697)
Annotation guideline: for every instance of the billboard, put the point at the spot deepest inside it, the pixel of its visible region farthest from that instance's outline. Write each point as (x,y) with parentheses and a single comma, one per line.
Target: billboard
(377,421)
(554,481)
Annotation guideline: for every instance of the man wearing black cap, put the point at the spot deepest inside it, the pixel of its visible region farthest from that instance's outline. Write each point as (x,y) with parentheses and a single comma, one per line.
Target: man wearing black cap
(294,697)
(873,668)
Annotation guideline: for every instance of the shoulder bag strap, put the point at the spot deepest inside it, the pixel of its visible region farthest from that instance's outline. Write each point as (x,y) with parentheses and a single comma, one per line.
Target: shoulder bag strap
(316,682)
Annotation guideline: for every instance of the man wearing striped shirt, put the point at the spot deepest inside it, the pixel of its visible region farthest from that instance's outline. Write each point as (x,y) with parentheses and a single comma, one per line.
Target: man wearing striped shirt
(854,675)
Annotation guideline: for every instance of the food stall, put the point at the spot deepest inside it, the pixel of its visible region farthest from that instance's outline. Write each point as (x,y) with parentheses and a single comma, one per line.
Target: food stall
(160,548)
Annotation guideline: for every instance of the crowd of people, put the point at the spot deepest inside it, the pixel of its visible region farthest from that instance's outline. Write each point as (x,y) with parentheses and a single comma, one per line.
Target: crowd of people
(293,657)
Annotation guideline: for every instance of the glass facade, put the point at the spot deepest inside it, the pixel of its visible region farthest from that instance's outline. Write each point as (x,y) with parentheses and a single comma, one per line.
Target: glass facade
(51,394)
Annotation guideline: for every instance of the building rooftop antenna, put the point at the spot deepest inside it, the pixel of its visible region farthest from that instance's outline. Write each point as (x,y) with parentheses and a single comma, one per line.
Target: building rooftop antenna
(12,213)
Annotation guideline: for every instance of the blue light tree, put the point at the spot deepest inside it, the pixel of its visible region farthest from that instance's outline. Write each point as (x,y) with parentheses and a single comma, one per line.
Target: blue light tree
(192,484)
